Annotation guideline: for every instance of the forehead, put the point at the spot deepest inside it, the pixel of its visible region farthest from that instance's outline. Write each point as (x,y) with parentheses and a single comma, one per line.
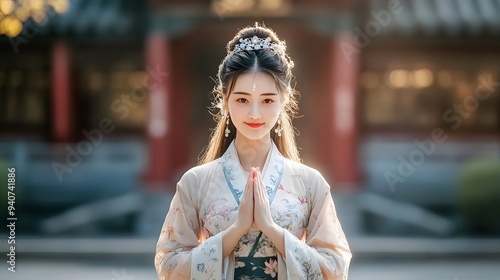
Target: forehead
(264,83)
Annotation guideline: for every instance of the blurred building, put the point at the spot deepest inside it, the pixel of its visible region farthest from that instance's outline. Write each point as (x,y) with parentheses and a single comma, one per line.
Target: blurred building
(430,108)
(110,97)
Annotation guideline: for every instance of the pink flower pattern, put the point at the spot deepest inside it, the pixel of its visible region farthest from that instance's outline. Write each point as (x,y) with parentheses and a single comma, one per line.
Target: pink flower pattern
(271,268)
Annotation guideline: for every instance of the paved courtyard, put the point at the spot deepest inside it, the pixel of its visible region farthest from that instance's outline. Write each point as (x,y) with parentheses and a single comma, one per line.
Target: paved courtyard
(142,269)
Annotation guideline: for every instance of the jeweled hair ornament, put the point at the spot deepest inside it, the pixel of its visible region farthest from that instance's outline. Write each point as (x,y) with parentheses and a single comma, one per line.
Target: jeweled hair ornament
(256,43)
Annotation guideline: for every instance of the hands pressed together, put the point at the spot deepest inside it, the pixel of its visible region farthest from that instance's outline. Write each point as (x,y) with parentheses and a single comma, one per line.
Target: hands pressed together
(254,205)
(254,211)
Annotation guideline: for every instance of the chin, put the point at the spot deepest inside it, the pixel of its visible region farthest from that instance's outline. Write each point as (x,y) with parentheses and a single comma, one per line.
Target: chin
(254,136)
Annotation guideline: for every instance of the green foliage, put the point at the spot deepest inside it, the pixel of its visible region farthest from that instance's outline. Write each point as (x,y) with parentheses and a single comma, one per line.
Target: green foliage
(479,192)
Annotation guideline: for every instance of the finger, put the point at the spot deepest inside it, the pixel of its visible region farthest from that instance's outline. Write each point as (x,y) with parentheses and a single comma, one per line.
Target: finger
(256,191)
(259,188)
(251,174)
(249,188)
(259,175)
(248,192)
(263,192)
(259,183)
(251,177)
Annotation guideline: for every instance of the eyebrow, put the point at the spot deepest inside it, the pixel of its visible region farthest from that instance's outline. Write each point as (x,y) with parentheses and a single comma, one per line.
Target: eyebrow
(262,94)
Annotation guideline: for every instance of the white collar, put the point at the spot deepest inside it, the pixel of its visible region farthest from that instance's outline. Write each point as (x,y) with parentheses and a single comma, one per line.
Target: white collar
(235,175)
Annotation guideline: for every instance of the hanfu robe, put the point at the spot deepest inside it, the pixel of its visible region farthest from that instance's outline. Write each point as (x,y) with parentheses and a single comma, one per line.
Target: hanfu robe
(206,203)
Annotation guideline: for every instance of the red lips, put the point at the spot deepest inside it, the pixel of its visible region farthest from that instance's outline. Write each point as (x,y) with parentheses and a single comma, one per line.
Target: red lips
(255,125)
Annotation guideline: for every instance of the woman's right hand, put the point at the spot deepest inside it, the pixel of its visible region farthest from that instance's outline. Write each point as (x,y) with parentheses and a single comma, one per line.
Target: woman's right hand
(231,236)
(244,220)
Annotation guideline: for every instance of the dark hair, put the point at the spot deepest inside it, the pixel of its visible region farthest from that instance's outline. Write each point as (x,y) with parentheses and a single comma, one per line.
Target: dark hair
(274,62)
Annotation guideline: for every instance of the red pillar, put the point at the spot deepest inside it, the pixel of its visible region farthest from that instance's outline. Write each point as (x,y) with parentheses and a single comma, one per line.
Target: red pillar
(343,87)
(61,93)
(160,129)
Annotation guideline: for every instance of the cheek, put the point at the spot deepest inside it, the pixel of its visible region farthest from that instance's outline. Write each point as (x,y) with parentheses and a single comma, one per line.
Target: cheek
(272,111)
(236,112)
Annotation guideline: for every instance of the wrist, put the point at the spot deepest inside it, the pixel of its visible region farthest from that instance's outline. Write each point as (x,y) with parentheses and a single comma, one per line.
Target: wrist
(272,229)
(276,235)
(236,229)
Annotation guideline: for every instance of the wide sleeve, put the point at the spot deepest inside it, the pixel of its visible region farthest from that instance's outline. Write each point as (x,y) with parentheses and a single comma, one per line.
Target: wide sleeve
(325,254)
(179,253)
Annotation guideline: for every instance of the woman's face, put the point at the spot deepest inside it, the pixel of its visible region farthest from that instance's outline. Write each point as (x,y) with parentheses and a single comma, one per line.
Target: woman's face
(254,105)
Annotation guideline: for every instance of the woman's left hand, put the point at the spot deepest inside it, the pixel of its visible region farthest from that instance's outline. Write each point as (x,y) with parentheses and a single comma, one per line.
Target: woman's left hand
(261,210)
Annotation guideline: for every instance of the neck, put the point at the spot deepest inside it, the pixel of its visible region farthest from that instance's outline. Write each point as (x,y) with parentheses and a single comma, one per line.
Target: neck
(252,153)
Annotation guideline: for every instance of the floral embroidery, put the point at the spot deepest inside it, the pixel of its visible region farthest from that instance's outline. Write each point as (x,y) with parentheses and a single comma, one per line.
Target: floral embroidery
(235,177)
(302,205)
(239,264)
(218,214)
(271,267)
(256,268)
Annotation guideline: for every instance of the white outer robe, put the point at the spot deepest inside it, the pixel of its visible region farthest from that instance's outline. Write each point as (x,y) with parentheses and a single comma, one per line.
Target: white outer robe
(206,203)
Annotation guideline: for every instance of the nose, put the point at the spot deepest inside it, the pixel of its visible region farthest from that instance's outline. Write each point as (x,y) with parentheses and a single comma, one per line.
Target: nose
(255,111)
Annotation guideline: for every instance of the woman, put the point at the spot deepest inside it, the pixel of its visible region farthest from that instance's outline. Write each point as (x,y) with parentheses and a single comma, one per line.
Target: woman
(251,210)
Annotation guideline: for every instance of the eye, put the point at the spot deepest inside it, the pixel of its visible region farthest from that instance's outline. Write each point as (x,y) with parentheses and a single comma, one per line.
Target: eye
(268,101)
(242,100)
